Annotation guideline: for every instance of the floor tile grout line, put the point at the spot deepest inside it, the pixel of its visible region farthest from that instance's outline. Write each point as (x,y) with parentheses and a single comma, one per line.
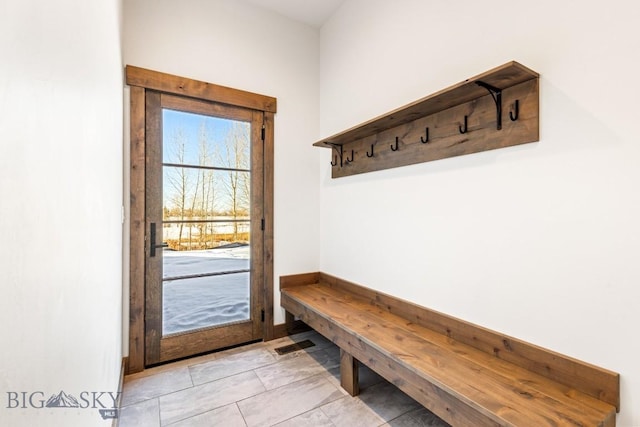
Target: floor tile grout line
(158,413)
(274,362)
(212,409)
(244,420)
(297,358)
(408,413)
(327,415)
(285,385)
(237,402)
(169,366)
(158,396)
(317,408)
(237,373)
(260,379)
(186,418)
(202,413)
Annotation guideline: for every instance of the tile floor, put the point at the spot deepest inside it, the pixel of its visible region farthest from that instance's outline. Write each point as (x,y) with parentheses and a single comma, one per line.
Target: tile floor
(254,386)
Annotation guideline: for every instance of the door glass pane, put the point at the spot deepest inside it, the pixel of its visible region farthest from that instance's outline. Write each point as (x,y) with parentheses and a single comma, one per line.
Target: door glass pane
(206,221)
(201,302)
(199,140)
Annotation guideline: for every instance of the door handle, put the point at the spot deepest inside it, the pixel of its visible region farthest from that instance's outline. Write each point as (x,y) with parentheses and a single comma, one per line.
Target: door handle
(152,241)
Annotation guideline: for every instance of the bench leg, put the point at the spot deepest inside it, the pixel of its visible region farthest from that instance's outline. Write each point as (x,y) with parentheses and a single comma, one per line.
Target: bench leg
(288,321)
(349,373)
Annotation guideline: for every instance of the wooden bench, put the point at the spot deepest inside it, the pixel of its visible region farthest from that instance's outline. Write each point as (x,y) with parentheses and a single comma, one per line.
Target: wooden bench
(465,374)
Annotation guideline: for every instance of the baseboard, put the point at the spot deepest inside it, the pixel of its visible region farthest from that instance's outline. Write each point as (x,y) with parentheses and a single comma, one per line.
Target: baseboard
(280,330)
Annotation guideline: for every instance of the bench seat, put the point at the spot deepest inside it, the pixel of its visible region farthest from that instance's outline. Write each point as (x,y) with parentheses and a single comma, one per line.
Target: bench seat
(460,383)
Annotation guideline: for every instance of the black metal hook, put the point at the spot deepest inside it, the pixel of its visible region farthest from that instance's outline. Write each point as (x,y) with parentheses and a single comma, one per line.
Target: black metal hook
(396,145)
(370,155)
(466,128)
(425,140)
(349,160)
(513,116)
(338,149)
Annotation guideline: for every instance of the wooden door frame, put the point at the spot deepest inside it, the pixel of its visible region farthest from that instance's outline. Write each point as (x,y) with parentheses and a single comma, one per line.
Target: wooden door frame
(140,80)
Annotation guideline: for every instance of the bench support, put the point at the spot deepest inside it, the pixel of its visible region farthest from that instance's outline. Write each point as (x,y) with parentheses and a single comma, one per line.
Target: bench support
(349,373)
(289,319)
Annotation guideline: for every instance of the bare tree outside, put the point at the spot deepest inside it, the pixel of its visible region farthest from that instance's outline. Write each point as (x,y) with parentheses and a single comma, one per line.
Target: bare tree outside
(236,184)
(206,180)
(197,194)
(178,180)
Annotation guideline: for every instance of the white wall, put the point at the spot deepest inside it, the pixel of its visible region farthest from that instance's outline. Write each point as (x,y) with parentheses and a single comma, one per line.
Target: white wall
(234,44)
(539,241)
(61,192)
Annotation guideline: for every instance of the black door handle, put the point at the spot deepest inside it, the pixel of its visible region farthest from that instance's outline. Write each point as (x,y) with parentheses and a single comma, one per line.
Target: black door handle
(152,241)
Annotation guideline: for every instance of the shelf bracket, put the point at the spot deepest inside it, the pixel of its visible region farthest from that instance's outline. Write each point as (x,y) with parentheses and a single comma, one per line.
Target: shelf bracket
(338,148)
(496,94)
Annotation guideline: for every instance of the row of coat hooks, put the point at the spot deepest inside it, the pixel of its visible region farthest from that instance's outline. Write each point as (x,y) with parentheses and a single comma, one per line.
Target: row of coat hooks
(495,93)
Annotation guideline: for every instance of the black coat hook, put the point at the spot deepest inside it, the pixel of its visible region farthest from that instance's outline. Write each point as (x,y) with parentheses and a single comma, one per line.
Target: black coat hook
(349,160)
(514,116)
(370,155)
(465,129)
(396,145)
(425,140)
(338,149)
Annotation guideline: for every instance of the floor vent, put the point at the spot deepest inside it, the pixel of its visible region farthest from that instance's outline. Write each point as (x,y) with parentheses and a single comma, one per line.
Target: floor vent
(294,347)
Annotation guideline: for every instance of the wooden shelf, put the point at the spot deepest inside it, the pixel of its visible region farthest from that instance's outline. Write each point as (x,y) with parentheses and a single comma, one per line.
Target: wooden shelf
(443,113)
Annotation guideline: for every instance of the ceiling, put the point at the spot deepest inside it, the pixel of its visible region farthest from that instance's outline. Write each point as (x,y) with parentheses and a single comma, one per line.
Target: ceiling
(310,12)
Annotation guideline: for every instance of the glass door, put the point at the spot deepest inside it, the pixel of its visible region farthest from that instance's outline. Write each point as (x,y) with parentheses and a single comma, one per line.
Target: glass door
(204,213)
